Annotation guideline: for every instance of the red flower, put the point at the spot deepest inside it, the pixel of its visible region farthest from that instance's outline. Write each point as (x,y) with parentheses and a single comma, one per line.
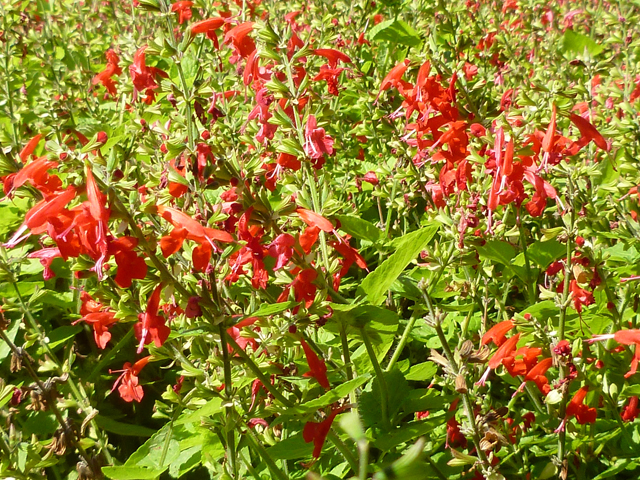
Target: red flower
(282,249)
(504,354)
(235,333)
(314,219)
(630,411)
(308,238)
(316,142)
(576,408)
(317,432)
(46,256)
(144,77)
(183,9)
(537,375)
(208,27)
(317,367)
(130,265)
(302,286)
(393,78)
(98,227)
(40,213)
(100,321)
(497,334)
(151,327)
(580,296)
(129,389)
(112,68)
(588,133)
(332,56)
(240,40)
(29,148)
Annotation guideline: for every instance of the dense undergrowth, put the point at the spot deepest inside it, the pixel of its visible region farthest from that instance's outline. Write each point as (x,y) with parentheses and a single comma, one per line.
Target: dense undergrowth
(319,239)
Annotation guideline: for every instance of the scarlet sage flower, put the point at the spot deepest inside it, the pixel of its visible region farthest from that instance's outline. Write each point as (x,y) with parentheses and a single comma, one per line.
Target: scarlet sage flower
(589,132)
(40,213)
(504,352)
(130,265)
(36,174)
(29,148)
(303,287)
(498,333)
(183,9)
(46,256)
(308,238)
(332,56)
(99,212)
(393,77)
(151,327)
(127,383)
(209,27)
(235,332)
(240,41)
(630,411)
(537,375)
(188,228)
(100,321)
(317,367)
(581,297)
(577,408)
(317,432)
(316,141)
(112,68)
(282,249)
(144,78)
(314,219)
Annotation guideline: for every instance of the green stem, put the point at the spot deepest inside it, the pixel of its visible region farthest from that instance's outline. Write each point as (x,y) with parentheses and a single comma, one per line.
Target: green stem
(46,392)
(344,450)
(562,436)
(402,342)
(271,465)
(228,389)
(384,392)
(258,373)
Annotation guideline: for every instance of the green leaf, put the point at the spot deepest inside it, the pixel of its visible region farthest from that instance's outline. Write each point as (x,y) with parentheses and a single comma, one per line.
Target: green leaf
(376,284)
(423,399)
(408,432)
(580,44)
(25,288)
(359,228)
(62,334)
(422,371)
(497,251)
(395,31)
(622,252)
(544,253)
(331,396)
(291,448)
(132,473)
(369,403)
(266,309)
(210,408)
(11,332)
(121,428)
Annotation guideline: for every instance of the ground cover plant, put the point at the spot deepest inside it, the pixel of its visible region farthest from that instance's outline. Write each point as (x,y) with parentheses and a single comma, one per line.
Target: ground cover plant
(265,239)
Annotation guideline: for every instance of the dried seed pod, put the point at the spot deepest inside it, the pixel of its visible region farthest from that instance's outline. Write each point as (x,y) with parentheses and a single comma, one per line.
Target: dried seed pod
(481,355)
(465,349)
(461,384)
(490,440)
(17,357)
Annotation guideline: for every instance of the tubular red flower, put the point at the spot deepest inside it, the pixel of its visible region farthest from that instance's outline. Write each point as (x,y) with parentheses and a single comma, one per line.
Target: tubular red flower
(317,367)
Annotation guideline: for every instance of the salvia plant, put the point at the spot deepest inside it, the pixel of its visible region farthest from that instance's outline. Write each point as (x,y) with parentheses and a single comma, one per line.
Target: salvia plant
(391,239)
